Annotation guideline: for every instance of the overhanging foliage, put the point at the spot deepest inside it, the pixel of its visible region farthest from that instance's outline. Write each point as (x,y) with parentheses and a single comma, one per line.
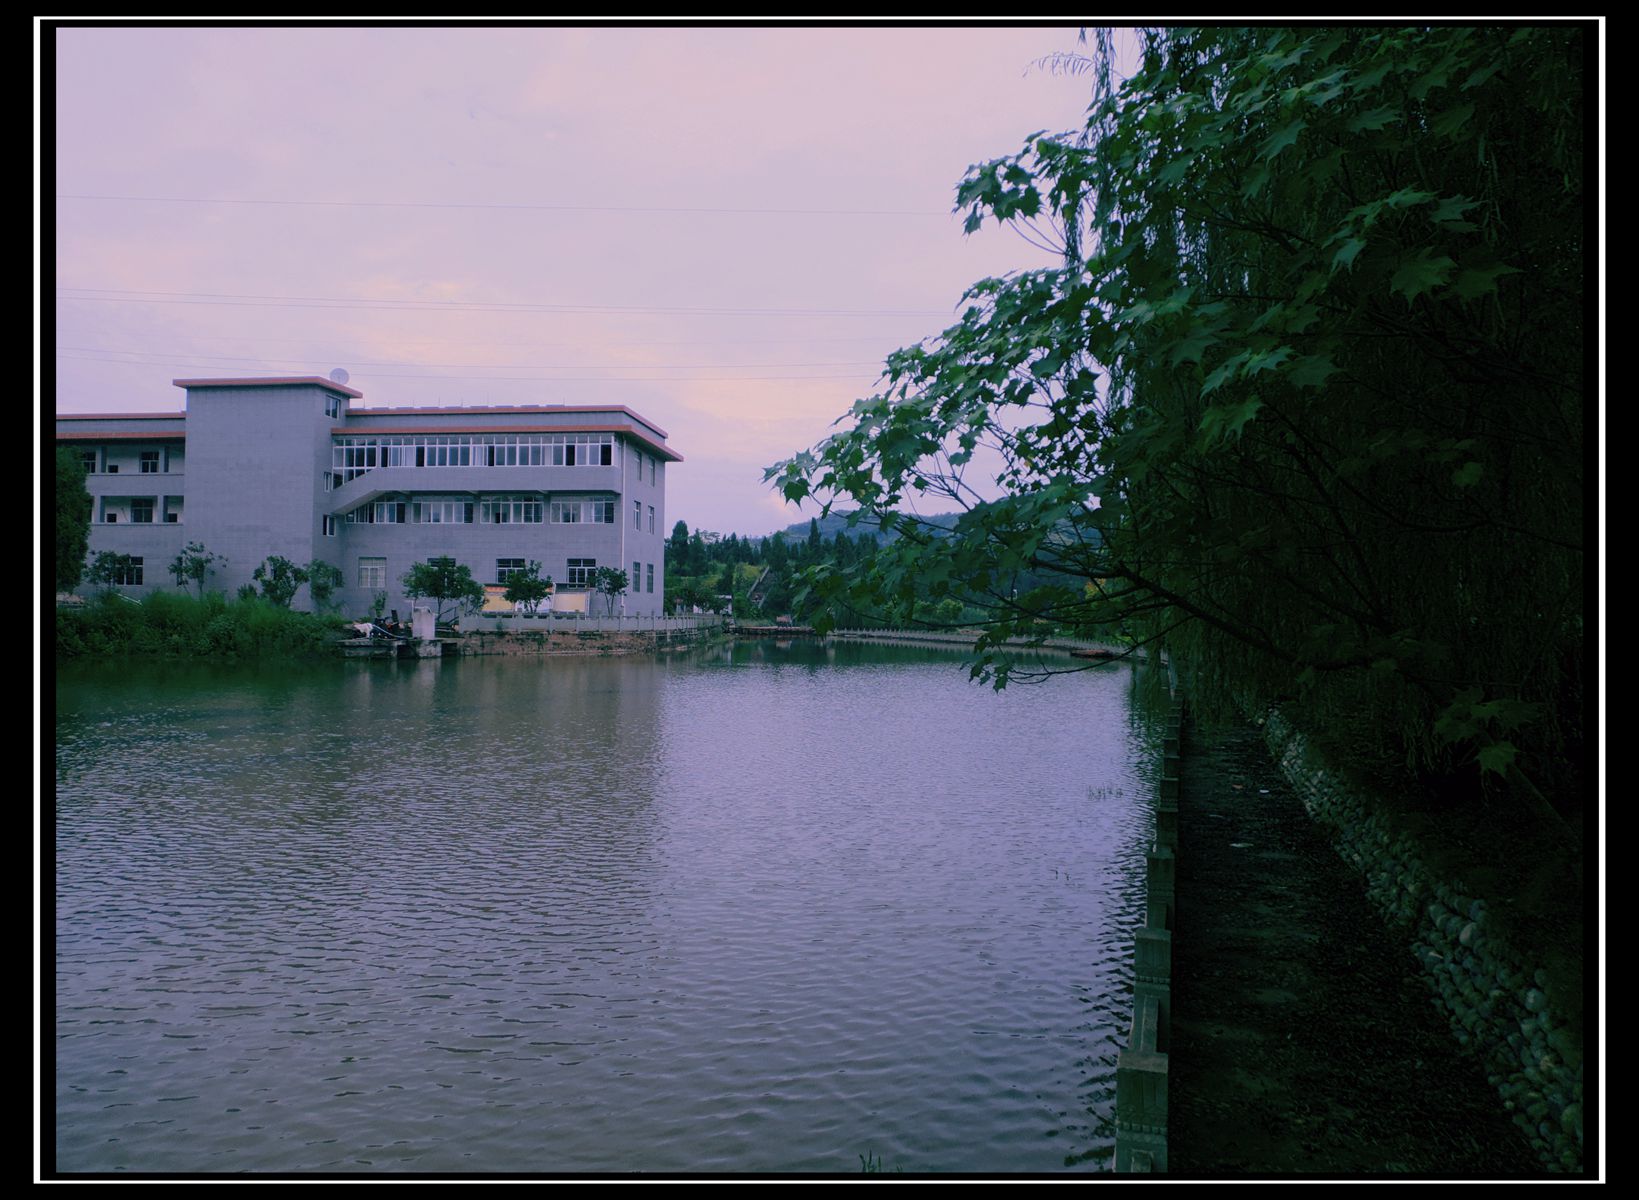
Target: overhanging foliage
(1304,401)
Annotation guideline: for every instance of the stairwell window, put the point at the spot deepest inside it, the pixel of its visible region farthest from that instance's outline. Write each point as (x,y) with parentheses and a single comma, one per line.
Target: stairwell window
(581,571)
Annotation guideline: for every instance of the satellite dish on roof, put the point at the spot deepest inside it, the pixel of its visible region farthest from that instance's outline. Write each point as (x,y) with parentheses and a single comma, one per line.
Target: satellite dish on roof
(338,376)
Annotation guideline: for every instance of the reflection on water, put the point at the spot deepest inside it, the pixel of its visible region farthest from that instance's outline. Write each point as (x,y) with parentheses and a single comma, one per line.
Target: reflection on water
(762,908)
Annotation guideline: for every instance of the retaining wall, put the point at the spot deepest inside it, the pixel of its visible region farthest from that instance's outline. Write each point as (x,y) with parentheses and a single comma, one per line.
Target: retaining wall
(1499,1004)
(1141,1073)
(965,639)
(572,640)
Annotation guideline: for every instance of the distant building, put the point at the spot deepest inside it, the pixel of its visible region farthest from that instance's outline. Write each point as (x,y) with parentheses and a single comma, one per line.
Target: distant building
(258,467)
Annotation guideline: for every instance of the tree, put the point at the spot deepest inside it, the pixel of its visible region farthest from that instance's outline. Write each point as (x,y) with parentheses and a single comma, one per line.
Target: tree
(527,588)
(611,582)
(677,547)
(322,581)
(73,519)
(109,570)
(279,579)
(1303,402)
(192,563)
(447,582)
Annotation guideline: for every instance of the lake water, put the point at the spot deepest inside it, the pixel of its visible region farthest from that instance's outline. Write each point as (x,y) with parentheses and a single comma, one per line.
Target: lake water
(751,909)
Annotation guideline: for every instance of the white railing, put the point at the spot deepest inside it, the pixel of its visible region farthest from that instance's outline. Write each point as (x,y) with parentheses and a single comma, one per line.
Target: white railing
(553,622)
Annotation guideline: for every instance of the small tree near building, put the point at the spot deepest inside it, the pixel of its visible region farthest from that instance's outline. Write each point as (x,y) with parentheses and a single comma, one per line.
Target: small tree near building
(73,519)
(322,581)
(109,571)
(527,588)
(611,582)
(192,564)
(279,579)
(446,582)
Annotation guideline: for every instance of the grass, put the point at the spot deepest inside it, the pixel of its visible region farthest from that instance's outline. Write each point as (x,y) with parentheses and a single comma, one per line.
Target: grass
(172,625)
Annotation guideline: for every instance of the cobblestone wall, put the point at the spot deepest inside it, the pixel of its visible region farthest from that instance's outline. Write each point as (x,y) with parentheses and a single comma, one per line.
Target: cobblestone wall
(1499,1004)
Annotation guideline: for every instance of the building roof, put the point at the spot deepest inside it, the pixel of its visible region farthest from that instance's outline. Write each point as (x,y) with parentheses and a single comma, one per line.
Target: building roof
(521,409)
(271,381)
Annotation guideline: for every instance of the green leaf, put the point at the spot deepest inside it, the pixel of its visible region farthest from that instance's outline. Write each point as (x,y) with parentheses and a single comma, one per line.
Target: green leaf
(1497,757)
(1281,139)
(1477,282)
(1452,209)
(1420,273)
(1311,370)
(1450,121)
(1346,253)
(1407,197)
(1224,422)
(1191,348)
(1467,475)
(1373,120)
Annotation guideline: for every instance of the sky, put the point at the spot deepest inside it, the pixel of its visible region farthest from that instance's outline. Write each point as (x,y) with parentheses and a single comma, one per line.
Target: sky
(726,230)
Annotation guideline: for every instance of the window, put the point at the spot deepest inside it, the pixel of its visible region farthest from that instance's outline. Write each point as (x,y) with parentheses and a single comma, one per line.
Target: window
(129,571)
(581,571)
(511,510)
(442,512)
(651,518)
(332,406)
(637,577)
(111,517)
(583,450)
(576,511)
(373,574)
(506,568)
(329,524)
(88,460)
(652,467)
(383,512)
(637,515)
(148,462)
(650,579)
(142,511)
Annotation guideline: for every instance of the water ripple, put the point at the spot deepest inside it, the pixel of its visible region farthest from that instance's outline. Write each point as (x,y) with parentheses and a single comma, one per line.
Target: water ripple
(753,911)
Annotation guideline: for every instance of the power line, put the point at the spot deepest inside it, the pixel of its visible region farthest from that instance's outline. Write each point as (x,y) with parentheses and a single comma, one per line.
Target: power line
(533,344)
(864,362)
(235,299)
(609,208)
(488,379)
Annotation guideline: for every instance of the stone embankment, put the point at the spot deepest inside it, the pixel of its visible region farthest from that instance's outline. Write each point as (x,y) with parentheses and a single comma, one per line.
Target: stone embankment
(1143,1070)
(1501,1005)
(579,642)
(964,639)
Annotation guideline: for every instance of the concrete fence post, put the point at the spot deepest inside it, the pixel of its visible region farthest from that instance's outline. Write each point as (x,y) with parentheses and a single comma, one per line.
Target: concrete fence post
(1141,1094)
(1162,873)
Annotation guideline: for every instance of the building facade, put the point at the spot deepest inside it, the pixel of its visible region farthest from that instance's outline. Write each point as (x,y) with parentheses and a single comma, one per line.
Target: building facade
(291,467)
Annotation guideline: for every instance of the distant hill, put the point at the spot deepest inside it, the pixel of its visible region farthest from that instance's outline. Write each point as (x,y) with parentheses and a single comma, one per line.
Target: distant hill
(837,522)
